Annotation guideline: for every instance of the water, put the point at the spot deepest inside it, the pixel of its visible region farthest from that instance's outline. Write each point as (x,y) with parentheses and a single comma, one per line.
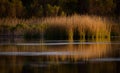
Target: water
(20,56)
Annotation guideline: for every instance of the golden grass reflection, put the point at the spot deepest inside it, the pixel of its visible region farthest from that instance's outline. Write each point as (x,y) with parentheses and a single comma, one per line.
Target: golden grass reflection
(52,58)
(63,52)
(80,52)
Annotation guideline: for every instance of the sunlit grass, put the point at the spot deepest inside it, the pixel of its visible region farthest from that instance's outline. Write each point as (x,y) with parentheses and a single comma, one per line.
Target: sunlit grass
(79,27)
(75,27)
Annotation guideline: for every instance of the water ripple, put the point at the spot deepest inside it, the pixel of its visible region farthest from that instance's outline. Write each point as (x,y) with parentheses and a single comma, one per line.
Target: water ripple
(66,43)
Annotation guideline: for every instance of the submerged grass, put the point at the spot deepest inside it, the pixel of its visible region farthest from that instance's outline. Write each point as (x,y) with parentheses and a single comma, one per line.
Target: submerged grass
(74,27)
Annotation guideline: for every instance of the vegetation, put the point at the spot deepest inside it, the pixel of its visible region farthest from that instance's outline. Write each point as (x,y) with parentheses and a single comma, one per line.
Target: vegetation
(86,26)
(73,27)
(43,8)
(57,19)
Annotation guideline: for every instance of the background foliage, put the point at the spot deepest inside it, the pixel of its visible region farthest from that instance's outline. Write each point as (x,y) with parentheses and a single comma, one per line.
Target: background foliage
(43,8)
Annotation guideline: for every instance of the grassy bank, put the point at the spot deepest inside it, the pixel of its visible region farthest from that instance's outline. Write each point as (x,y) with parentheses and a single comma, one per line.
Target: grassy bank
(74,27)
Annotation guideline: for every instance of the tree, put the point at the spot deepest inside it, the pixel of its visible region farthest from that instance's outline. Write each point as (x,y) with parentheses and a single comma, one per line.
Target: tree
(101,7)
(52,10)
(117,8)
(83,6)
(4,4)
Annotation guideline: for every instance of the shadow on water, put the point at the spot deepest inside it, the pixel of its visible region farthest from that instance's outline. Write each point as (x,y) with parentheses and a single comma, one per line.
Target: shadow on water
(59,56)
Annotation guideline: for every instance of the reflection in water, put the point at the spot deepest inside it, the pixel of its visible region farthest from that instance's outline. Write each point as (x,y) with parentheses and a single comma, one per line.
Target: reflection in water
(69,58)
(56,52)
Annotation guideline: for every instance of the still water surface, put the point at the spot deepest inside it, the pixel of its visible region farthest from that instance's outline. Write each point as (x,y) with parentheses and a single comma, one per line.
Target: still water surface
(19,56)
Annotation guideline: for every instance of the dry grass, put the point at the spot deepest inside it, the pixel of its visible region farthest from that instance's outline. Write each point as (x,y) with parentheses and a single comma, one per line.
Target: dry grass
(85,25)
(80,26)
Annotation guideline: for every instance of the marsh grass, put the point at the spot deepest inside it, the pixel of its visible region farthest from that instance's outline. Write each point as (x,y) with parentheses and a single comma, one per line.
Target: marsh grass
(76,27)
(80,27)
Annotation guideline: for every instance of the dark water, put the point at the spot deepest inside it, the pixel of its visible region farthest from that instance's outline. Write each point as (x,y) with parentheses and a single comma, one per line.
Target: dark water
(19,56)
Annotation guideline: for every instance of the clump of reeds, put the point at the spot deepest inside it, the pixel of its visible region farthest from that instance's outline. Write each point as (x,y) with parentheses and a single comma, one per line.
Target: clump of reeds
(79,27)
(73,27)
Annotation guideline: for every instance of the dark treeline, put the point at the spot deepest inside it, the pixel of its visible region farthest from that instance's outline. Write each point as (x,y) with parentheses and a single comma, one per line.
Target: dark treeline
(43,8)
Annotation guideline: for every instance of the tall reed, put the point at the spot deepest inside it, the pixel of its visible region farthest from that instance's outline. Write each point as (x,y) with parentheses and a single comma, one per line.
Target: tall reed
(83,26)
(73,27)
